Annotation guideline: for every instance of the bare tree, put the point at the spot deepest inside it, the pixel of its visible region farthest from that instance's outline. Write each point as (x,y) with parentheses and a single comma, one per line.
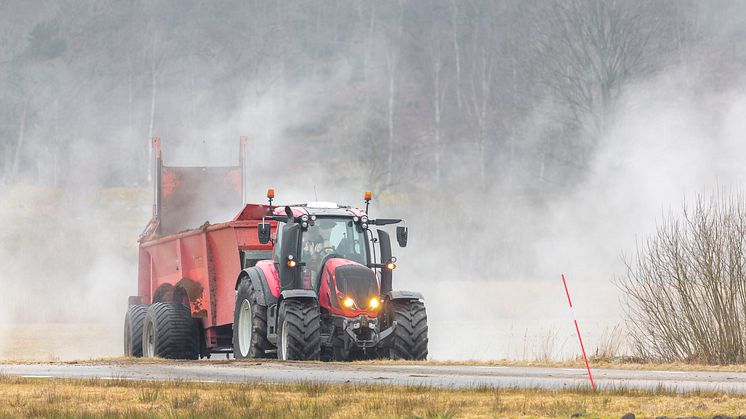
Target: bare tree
(392,66)
(587,50)
(686,285)
(437,53)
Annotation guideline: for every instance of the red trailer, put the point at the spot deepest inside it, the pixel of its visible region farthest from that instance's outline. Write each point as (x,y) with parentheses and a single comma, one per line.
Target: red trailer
(233,286)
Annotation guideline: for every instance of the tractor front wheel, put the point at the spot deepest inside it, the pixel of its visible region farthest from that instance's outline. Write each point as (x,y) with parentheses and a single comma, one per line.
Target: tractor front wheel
(133,324)
(299,336)
(169,332)
(410,336)
(249,324)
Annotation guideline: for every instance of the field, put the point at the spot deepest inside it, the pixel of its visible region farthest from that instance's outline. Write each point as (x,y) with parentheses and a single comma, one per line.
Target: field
(26,397)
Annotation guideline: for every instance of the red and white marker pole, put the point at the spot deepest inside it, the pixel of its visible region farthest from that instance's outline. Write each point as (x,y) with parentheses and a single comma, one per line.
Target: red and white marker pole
(577,329)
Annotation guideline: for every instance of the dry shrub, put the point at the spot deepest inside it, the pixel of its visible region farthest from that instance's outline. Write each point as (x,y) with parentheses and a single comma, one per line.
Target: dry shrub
(686,285)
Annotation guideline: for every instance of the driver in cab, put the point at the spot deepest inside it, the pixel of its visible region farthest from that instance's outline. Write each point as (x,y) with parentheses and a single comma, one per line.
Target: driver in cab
(317,244)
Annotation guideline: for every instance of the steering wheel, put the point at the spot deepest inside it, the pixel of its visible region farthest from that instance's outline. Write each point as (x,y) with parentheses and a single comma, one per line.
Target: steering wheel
(328,250)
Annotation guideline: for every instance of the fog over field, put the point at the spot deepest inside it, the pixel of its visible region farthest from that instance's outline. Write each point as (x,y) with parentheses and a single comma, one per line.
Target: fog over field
(519,139)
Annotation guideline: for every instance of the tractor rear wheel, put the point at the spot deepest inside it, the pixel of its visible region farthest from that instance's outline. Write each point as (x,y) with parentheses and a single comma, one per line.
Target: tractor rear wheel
(249,324)
(299,335)
(133,323)
(169,332)
(410,336)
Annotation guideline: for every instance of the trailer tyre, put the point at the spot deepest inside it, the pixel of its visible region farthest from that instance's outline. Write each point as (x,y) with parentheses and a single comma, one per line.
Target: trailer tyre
(169,332)
(410,336)
(249,324)
(299,335)
(133,324)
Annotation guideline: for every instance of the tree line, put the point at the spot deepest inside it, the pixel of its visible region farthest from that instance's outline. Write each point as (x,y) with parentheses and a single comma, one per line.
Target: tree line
(508,97)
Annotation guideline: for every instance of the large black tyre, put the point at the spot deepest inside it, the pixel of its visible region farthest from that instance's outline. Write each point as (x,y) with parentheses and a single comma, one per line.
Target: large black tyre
(249,324)
(133,323)
(169,332)
(299,334)
(410,336)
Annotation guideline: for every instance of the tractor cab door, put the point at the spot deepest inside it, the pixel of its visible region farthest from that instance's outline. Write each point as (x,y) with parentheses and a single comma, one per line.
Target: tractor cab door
(386,275)
(289,261)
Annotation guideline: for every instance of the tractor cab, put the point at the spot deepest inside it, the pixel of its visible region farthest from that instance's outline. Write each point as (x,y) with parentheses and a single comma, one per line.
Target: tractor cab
(325,233)
(326,249)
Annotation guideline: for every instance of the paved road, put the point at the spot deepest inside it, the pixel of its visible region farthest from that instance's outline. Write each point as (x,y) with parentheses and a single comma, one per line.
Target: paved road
(449,376)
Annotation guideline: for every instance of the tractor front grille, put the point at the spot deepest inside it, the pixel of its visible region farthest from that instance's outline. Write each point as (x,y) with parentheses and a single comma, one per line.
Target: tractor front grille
(356,281)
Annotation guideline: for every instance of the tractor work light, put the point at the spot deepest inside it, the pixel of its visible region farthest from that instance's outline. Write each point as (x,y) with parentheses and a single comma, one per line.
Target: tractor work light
(364,219)
(374,303)
(304,224)
(364,226)
(304,217)
(348,302)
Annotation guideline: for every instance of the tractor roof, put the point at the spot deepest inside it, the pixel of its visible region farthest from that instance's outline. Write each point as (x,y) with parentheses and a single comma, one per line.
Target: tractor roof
(322,209)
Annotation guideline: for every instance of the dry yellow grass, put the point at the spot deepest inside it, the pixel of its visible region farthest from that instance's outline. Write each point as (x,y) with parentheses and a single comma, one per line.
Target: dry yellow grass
(25,397)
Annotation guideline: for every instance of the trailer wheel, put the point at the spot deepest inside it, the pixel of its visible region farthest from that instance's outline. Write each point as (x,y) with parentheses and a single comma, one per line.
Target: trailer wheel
(133,324)
(299,337)
(169,332)
(410,336)
(249,324)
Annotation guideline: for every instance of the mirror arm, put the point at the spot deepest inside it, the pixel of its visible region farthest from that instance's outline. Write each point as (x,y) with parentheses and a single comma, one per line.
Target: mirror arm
(385,221)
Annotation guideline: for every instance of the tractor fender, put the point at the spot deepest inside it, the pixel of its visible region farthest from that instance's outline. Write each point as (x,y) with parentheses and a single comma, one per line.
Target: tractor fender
(288,294)
(404,295)
(256,276)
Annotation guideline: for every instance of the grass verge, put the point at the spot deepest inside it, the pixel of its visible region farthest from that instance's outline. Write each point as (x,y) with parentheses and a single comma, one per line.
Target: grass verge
(51,398)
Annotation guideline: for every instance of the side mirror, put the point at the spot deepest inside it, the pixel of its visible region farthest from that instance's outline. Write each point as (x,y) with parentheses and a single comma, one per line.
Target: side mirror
(263,231)
(402,234)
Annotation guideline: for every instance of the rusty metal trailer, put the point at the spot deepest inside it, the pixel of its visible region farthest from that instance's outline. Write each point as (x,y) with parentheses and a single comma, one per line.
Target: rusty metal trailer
(197,267)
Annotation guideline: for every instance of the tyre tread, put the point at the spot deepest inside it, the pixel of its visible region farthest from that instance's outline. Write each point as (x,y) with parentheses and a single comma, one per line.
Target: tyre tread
(410,336)
(174,328)
(304,329)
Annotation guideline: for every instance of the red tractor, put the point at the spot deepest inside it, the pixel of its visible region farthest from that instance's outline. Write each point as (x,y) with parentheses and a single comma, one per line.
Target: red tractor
(304,282)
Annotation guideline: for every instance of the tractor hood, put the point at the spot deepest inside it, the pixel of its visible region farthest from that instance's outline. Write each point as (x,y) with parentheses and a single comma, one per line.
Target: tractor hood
(343,278)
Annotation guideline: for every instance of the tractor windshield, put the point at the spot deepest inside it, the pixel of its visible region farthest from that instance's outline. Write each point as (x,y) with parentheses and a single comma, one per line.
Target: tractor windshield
(332,237)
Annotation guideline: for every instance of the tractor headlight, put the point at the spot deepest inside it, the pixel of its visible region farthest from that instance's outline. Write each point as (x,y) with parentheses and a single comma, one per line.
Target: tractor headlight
(374,303)
(364,226)
(364,219)
(355,219)
(304,224)
(304,217)
(348,302)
